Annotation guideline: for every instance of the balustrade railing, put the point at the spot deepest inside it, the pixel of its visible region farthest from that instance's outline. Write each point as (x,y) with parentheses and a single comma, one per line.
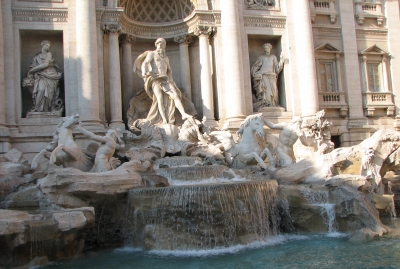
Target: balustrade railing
(321,5)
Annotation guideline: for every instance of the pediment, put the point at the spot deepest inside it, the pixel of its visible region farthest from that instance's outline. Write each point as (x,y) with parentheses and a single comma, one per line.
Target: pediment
(327,48)
(374,50)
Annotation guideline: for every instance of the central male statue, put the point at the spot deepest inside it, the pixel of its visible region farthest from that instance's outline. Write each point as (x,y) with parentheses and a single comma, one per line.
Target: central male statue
(159,85)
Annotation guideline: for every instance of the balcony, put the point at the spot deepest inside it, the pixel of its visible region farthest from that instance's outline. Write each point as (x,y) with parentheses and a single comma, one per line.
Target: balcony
(323,8)
(366,9)
(333,100)
(376,100)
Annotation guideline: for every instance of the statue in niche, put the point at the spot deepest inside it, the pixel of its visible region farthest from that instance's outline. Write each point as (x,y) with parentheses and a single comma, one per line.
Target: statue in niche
(43,81)
(154,68)
(265,74)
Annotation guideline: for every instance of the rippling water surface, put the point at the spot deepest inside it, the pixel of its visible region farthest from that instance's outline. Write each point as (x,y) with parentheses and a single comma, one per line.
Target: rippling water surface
(289,251)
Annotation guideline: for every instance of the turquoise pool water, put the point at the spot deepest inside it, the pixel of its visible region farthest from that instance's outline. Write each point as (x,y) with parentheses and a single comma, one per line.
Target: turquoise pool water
(289,251)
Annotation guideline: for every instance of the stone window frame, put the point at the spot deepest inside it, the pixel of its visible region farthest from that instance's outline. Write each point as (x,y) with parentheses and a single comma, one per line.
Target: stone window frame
(383,98)
(336,99)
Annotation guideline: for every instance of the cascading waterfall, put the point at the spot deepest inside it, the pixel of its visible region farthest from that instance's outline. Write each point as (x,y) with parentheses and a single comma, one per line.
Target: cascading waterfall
(202,216)
(321,199)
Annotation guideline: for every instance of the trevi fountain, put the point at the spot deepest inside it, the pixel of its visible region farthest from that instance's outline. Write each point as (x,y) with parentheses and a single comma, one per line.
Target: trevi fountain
(168,178)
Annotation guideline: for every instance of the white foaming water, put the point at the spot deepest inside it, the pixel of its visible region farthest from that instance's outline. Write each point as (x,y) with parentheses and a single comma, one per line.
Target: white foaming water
(275,240)
(328,214)
(206,181)
(127,250)
(337,235)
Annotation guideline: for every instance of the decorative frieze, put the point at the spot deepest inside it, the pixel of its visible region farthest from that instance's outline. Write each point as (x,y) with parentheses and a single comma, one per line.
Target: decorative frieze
(40,15)
(327,29)
(265,22)
(361,31)
(51,1)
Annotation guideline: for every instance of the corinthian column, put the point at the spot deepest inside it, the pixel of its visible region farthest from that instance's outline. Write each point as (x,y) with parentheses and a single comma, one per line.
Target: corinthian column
(232,58)
(127,74)
(184,42)
(205,74)
(114,76)
(88,84)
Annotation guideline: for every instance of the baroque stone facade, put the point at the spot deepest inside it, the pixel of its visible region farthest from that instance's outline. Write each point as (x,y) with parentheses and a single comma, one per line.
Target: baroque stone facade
(339,55)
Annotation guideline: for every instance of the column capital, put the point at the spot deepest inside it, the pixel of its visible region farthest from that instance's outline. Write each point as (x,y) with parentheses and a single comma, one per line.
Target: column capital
(205,30)
(363,58)
(127,38)
(111,28)
(183,39)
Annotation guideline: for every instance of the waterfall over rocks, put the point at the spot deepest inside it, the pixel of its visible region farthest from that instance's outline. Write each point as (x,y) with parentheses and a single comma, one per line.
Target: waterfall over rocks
(202,216)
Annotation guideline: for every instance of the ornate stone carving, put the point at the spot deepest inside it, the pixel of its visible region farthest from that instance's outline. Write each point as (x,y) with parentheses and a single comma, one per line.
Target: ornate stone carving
(205,30)
(265,74)
(289,134)
(183,39)
(262,4)
(157,11)
(63,150)
(43,80)
(128,39)
(111,28)
(104,160)
(247,151)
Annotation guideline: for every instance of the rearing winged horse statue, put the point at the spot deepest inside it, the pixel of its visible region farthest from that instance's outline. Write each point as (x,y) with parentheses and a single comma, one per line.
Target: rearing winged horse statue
(248,150)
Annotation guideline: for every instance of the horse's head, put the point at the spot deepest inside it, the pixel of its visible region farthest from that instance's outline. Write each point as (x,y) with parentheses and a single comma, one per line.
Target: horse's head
(255,122)
(257,125)
(71,121)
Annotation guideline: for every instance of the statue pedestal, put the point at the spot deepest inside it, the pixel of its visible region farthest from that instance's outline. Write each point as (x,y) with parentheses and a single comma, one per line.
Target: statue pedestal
(35,115)
(276,114)
(271,109)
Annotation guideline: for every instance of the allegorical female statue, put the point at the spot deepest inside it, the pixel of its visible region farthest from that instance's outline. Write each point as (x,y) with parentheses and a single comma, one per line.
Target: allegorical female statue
(43,78)
(265,74)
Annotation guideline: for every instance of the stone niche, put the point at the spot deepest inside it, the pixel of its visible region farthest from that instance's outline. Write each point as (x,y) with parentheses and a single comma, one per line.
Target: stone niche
(256,48)
(30,41)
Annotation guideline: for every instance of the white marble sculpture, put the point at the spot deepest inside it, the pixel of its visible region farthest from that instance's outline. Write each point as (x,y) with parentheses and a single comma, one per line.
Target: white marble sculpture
(287,137)
(265,74)
(317,137)
(154,68)
(104,160)
(248,150)
(63,150)
(43,81)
